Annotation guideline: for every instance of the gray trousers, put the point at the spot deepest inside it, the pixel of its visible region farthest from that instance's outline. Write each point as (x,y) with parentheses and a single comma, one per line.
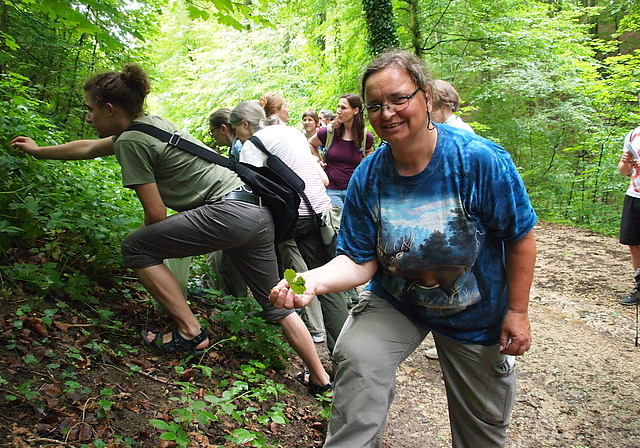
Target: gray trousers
(480,382)
(307,235)
(312,313)
(227,278)
(243,230)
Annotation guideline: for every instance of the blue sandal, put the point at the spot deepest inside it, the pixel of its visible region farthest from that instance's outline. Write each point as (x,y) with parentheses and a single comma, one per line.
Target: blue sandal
(177,344)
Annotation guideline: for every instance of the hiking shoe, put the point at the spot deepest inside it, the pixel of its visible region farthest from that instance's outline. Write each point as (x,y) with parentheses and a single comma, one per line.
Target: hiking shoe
(318,338)
(432,353)
(631,299)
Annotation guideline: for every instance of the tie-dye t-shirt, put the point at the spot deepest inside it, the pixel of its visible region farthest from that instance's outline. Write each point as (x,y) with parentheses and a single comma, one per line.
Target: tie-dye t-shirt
(439,235)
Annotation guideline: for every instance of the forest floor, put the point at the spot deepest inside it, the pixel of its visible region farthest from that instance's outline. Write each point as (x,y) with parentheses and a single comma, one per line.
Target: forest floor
(579,385)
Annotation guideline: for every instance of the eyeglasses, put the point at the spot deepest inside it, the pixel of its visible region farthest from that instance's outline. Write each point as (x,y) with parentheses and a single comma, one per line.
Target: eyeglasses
(395,104)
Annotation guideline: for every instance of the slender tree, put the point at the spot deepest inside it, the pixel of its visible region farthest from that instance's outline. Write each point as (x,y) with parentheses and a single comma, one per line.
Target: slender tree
(381,24)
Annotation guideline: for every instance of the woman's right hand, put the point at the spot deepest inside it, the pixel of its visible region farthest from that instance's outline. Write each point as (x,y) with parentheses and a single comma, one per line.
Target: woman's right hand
(282,296)
(627,157)
(25,144)
(74,150)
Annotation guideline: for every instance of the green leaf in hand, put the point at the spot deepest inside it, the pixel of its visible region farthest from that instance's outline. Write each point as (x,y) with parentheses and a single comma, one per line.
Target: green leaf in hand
(296,283)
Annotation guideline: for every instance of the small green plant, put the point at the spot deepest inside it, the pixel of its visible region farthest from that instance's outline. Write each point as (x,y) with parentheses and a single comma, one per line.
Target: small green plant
(105,405)
(183,417)
(47,316)
(172,431)
(296,283)
(324,401)
(30,359)
(251,333)
(25,392)
(250,385)
(71,386)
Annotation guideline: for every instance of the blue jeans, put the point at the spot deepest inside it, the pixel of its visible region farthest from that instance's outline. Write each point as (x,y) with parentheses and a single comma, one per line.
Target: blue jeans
(337,196)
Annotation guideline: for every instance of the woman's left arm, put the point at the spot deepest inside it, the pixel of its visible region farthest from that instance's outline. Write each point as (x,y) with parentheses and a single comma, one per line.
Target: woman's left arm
(314,144)
(515,338)
(152,203)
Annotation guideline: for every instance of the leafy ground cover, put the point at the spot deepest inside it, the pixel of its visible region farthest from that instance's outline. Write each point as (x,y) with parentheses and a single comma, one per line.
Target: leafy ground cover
(73,374)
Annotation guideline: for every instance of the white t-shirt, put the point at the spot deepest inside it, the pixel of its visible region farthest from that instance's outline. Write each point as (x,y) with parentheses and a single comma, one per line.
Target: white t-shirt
(457,122)
(632,145)
(292,148)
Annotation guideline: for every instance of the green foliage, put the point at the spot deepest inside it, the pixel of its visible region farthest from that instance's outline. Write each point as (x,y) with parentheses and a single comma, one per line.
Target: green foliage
(61,221)
(59,43)
(201,68)
(230,14)
(296,283)
(542,87)
(235,400)
(89,17)
(251,333)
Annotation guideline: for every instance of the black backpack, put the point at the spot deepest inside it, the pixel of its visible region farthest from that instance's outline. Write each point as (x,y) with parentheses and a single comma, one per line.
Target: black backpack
(280,189)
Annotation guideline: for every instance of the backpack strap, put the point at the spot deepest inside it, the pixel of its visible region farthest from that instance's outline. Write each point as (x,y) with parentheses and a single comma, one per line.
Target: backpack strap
(274,162)
(282,168)
(329,140)
(186,145)
(278,189)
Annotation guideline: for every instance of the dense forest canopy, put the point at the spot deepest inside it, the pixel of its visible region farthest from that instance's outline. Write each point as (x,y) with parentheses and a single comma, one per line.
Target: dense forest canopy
(555,82)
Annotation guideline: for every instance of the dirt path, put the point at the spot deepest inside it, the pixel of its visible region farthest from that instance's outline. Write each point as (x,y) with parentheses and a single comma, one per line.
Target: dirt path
(579,385)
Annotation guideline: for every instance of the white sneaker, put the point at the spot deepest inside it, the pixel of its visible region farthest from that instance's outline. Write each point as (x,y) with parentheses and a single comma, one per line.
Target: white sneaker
(432,353)
(317,338)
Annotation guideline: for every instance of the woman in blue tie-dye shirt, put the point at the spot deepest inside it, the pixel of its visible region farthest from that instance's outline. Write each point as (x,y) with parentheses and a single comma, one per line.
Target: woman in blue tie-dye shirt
(439,221)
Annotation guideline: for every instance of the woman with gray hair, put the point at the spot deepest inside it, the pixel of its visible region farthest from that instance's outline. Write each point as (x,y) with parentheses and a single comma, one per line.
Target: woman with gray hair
(438,221)
(248,119)
(446,104)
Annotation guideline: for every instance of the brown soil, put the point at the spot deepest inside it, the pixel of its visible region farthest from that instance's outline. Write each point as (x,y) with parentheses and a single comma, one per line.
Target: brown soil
(579,385)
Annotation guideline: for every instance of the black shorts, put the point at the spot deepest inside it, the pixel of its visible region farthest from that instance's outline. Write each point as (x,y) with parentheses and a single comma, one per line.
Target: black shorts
(630,222)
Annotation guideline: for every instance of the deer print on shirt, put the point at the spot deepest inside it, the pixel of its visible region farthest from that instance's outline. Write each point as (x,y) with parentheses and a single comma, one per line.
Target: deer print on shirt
(389,259)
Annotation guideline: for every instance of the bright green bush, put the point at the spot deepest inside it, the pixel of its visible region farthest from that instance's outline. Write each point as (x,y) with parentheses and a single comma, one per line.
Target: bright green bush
(60,222)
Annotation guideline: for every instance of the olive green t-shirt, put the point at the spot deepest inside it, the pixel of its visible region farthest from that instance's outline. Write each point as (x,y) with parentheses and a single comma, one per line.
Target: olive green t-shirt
(185,181)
